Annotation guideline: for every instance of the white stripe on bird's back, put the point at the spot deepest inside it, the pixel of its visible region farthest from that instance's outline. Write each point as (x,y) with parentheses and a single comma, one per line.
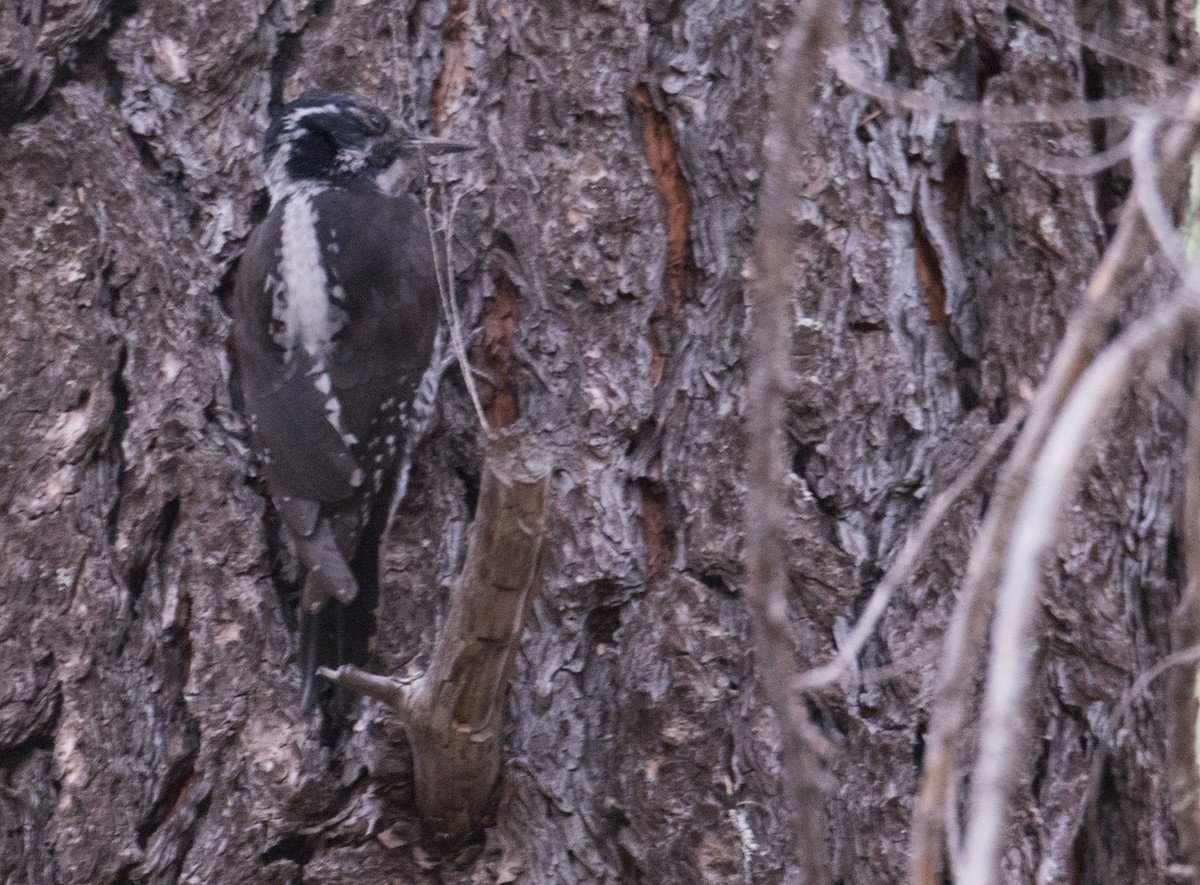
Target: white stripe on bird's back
(306,315)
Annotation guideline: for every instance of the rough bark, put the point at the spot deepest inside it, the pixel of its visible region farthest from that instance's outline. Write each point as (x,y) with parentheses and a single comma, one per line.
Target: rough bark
(149,724)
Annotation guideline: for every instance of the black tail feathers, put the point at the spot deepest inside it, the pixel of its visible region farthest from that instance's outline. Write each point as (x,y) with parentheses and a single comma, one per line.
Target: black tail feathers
(342,629)
(333,635)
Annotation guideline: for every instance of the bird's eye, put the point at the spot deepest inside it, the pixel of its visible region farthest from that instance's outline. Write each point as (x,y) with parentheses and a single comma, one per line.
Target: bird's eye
(375,123)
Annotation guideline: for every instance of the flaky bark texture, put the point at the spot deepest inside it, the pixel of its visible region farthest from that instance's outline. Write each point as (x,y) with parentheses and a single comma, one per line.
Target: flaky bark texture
(149,720)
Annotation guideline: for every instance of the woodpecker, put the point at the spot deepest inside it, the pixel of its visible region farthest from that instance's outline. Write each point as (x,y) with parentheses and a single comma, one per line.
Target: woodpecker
(336,311)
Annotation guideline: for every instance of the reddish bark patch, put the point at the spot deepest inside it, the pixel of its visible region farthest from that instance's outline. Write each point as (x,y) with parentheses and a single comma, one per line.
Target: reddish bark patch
(929,278)
(658,348)
(493,354)
(666,173)
(452,78)
(231,352)
(657,531)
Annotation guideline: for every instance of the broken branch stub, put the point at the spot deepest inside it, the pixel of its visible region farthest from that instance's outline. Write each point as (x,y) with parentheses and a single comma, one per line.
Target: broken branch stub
(453,713)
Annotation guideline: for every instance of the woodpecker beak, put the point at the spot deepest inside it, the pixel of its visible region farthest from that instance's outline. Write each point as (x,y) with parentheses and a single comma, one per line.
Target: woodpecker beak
(397,157)
(434,146)
(398,146)
(376,123)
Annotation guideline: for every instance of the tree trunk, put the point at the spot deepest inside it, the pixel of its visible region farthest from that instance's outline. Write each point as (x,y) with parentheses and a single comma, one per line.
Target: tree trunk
(150,728)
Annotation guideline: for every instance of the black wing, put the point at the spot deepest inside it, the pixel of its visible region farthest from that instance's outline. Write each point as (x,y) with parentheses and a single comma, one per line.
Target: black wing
(380,261)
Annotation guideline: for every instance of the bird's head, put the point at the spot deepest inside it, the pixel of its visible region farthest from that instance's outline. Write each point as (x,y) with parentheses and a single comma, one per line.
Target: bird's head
(335,139)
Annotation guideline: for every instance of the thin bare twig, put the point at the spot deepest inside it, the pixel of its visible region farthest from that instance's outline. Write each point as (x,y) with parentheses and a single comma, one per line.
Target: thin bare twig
(902,566)
(1116,722)
(1081,166)
(1148,196)
(1013,641)
(1189,655)
(446,286)
(1180,694)
(921,660)
(393,692)
(966,632)
(799,69)
(957,110)
(1161,72)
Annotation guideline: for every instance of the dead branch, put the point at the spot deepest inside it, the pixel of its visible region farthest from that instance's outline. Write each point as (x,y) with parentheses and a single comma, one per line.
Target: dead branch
(799,69)
(966,633)
(453,713)
(1013,639)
